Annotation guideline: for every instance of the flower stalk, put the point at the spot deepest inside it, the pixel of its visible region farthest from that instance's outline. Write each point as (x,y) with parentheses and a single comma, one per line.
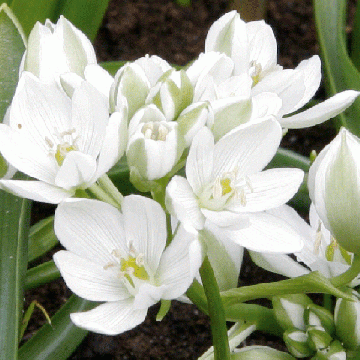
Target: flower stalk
(216,312)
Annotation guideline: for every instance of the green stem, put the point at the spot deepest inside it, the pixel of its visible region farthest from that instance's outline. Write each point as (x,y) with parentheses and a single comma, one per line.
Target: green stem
(108,186)
(349,275)
(216,312)
(97,192)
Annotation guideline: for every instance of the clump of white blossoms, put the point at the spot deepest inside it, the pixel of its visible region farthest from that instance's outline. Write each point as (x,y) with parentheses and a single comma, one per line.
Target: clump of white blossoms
(226,187)
(121,258)
(65,143)
(239,75)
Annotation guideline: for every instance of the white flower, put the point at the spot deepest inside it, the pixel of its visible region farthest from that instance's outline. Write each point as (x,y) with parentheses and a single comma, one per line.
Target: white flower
(67,144)
(121,259)
(54,49)
(155,144)
(334,187)
(247,52)
(321,252)
(225,187)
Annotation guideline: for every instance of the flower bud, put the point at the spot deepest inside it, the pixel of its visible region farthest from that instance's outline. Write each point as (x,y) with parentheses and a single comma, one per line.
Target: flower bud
(318,338)
(131,83)
(289,310)
(260,353)
(155,145)
(347,321)
(193,118)
(334,352)
(172,93)
(54,49)
(297,342)
(316,315)
(334,184)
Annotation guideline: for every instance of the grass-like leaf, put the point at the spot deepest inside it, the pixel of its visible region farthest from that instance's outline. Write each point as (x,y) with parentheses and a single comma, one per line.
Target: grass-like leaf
(340,72)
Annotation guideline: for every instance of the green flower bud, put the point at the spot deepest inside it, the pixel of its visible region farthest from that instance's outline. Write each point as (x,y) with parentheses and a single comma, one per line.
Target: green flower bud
(297,342)
(289,310)
(260,353)
(318,338)
(315,315)
(132,84)
(347,321)
(193,118)
(172,93)
(334,352)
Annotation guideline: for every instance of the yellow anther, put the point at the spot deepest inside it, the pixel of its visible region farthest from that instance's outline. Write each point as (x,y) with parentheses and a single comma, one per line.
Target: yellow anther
(62,150)
(130,266)
(226,186)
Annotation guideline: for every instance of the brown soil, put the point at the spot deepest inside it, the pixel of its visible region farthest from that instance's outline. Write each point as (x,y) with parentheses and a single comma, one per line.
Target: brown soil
(130,30)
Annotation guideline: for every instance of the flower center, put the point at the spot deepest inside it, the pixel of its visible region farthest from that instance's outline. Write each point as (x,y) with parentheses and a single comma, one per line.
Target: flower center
(255,72)
(331,249)
(131,268)
(155,131)
(66,142)
(225,189)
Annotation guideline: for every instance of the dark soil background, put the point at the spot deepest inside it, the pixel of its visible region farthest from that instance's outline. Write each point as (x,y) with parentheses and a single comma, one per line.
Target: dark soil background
(130,30)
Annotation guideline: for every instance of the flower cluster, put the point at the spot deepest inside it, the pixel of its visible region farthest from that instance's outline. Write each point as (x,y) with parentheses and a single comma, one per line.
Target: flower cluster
(222,119)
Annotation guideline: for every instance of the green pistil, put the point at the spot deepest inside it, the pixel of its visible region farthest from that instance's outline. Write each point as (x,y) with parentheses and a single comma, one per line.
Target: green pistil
(138,270)
(61,152)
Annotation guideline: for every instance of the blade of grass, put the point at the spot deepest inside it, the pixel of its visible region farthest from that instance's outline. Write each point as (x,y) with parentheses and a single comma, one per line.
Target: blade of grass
(340,72)
(14,224)
(355,39)
(58,340)
(41,238)
(41,274)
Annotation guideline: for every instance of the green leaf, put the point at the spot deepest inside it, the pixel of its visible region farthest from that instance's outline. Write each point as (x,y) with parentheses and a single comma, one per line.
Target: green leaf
(340,72)
(29,12)
(59,340)
(313,282)
(14,225)
(41,238)
(113,66)
(41,274)
(85,15)
(12,47)
(355,38)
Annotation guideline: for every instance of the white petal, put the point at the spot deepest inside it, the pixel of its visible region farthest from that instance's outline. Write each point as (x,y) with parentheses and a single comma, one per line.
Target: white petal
(270,189)
(179,264)
(145,227)
(99,78)
(199,164)
(226,218)
(267,233)
(90,280)
(278,264)
(111,318)
(40,110)
(182,202)
(27,156)
(228,35)
(36,190)
(91,229)
(89,117)
(248,148)
(288,84)
(77,170)
(312,78)
(262,44)
(321,112)
(114,144)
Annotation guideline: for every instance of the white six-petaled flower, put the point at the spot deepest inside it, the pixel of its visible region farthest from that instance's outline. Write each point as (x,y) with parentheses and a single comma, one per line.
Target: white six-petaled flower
(65,143)
(225,187)
(121,258)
